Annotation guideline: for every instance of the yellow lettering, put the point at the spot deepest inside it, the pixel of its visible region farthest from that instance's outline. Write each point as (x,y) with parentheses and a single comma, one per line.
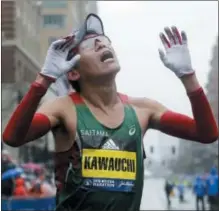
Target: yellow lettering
(108,164)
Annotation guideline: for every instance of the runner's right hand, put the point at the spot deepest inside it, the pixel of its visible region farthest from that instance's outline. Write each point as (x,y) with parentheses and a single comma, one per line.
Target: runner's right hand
(55,64)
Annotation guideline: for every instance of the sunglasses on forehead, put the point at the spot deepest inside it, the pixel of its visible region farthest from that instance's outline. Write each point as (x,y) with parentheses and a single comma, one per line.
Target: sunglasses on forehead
(92,25)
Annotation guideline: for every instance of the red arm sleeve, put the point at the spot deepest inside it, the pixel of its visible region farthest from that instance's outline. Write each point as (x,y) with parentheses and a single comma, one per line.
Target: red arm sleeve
(202,128)
(24,125)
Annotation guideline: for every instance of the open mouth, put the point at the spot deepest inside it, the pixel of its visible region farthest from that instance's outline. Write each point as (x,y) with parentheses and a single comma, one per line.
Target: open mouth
(106,55)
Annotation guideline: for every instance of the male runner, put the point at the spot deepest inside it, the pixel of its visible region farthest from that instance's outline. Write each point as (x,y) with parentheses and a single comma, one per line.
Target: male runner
(98,131)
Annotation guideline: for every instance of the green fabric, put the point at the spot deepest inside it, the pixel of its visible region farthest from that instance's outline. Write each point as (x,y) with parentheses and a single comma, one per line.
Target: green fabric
(110,174)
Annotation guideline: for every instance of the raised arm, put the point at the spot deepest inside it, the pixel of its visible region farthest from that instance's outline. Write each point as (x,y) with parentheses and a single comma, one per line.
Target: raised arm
(25,123)
(202,127)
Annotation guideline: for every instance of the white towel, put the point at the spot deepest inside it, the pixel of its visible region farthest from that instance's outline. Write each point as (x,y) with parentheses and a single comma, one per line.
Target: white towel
(62,86)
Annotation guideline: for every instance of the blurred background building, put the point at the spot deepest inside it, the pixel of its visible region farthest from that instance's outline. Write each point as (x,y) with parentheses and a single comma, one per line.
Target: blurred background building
(162,155)
(60,18)
(28,28)
(195,157)
(212,85)
(20,52)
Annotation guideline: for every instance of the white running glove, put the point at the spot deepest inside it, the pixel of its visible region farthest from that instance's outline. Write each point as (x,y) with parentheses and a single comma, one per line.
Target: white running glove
(55,64)
(177,57)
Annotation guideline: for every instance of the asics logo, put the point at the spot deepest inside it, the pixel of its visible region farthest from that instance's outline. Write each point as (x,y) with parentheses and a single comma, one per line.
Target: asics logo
(132,130)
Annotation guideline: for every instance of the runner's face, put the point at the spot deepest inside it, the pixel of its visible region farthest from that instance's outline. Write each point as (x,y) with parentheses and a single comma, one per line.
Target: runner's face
(98,57)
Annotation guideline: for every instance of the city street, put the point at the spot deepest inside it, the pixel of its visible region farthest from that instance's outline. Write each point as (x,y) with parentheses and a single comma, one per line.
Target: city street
(154,197)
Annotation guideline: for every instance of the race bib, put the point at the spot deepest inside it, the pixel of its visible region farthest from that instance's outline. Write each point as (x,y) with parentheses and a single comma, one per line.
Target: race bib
(112,170)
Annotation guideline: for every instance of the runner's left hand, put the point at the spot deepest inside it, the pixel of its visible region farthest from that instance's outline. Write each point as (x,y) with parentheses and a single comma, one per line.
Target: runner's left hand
(177,57)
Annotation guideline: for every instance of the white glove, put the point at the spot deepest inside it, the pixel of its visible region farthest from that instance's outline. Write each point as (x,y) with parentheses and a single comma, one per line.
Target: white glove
(55,64)
(177,57)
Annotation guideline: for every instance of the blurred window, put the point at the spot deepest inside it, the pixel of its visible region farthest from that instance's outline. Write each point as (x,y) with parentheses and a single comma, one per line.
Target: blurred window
(19,64)
(54,21)
(55,4)
(173,150)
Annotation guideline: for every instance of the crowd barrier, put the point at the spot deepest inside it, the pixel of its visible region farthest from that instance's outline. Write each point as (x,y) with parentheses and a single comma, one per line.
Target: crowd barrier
(30,204)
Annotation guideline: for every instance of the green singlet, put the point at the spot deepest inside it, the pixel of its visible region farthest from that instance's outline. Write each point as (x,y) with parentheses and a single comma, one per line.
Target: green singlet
(104,168)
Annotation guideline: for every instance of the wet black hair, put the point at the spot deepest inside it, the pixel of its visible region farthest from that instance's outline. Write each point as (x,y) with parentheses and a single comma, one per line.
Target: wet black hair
(75,85)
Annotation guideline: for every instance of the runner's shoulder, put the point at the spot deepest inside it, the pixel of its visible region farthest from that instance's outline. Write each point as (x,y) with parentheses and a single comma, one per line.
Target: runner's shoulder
(151,106)
(142,102)
(58,103)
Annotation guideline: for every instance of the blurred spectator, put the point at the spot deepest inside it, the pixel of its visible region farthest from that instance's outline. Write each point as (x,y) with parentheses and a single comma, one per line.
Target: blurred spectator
(20,188)
(181,190)
(7,162)
(36,182)
(47,189)
(212,189)
(168,188)
(36,189)
(7,187)
(199,189)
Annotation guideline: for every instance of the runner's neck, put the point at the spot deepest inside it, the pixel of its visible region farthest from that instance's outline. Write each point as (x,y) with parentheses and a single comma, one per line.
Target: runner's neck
(101,96)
